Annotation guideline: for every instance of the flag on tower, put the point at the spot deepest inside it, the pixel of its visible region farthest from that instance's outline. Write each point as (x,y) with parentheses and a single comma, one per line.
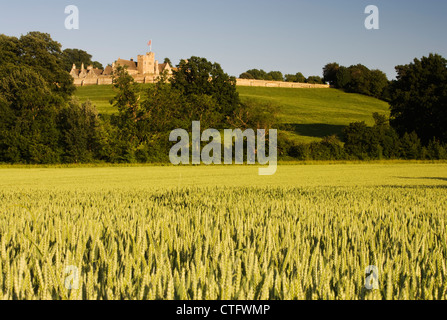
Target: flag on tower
(150,45)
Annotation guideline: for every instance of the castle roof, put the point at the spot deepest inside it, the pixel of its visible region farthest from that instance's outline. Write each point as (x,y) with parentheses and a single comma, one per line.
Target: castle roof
(131,65)
(162,66)
(97,71)
(108,71)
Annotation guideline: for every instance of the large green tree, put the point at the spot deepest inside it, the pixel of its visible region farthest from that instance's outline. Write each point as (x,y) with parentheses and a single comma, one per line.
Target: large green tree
(198,76)
(42,54)
(78,57)
(330,73)
(38,51)
(419,98)
(28,124)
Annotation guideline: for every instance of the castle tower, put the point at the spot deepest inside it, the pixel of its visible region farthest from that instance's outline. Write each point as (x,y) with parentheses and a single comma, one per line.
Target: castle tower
(157,71)
(146,63)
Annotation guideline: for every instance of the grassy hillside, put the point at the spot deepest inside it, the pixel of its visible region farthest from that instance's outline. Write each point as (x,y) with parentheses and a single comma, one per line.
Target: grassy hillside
(306,114)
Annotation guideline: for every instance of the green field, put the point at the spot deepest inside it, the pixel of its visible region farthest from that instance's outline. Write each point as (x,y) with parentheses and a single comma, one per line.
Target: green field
(223,232)
(309,114)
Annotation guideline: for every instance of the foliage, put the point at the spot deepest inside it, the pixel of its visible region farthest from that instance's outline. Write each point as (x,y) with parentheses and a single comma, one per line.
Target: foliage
(78,57)
(315,80)
(255,115)
(80,129)
(275,76)
(358,79)
(299,77)
(330,73)
(197,76)
(255,74)
(377,142)
(246,75)
(44,56)
(28,132)
(419,98)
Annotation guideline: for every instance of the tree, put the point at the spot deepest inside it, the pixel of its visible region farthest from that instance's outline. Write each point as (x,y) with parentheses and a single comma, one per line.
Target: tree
(9,50)
(258,74)
(343,78)
(290,78)
(410,146)
(246,75)
(314,80)
(38,51)
(276,76)
(80,135)
(198,76)
(127,101)
(97,65)
(78,57)
(167,60)
(299,77)
(356,137)
(330,73)
(28,127)
(360,80)
(378,82)
(419,98)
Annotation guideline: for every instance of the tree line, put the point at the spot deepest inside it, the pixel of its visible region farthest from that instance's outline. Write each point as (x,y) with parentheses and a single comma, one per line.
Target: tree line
(256,74)
(41,122)
(358,79)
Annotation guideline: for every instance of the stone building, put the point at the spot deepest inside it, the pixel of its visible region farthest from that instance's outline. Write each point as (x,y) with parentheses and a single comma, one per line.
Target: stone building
(145,70)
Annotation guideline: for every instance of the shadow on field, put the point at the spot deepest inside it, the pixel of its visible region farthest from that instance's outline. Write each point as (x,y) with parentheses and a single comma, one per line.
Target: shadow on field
(422,186)
(318,130)
(424,178)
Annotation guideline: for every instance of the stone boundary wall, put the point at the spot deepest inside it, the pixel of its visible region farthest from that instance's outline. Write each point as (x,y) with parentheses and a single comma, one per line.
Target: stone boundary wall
(278,84)
(101,80)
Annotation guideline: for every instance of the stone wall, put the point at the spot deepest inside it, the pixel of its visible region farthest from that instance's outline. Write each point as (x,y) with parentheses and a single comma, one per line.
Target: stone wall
(239,82)
(92,81)
(278,84)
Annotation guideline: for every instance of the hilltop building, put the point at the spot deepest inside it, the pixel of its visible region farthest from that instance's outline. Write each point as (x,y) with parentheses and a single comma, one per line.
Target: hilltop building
(145,70)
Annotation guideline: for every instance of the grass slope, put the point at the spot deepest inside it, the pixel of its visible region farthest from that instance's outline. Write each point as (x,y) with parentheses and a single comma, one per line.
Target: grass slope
(306,114)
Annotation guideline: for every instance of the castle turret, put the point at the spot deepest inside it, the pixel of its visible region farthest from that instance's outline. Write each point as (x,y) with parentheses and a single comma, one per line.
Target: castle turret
(157,71)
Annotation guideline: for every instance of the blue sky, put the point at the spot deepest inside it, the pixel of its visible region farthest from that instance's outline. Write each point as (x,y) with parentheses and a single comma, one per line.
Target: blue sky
(286,35)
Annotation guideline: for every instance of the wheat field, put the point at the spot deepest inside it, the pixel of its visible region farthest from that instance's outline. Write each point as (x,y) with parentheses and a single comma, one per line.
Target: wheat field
(309,232)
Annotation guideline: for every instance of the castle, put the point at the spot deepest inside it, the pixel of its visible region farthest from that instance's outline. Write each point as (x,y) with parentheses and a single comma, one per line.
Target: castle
(145,70)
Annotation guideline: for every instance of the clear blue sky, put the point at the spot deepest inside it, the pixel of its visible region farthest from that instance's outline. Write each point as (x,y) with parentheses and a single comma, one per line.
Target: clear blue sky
(284,35)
